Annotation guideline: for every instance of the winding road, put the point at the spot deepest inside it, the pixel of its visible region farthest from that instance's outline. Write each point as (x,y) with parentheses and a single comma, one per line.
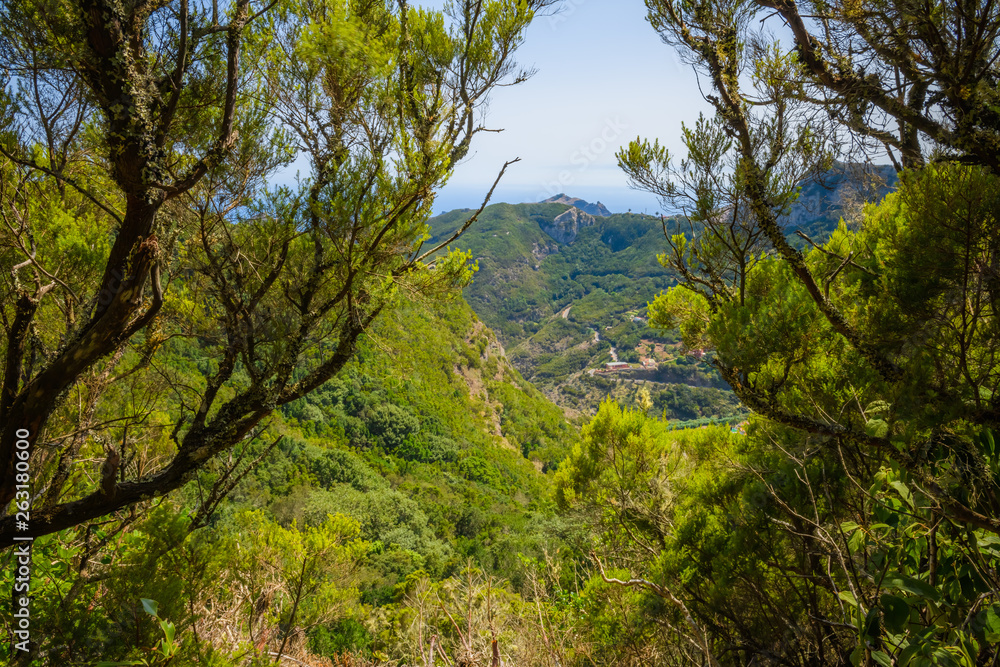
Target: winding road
(597,339)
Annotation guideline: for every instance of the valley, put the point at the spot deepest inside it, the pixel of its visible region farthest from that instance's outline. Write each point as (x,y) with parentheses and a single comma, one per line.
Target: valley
(566,283)
(261,407)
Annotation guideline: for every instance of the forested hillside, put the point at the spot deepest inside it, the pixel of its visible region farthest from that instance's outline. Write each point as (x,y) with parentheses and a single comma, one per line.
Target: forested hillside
(427,449)
(567,292)
(561,307)
(565,309)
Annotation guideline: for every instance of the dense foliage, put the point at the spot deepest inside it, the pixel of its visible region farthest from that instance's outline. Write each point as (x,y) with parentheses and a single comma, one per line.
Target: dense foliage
(419,462)
(265,428)
(150,130)
(563,308)
(857,515)
(860,515)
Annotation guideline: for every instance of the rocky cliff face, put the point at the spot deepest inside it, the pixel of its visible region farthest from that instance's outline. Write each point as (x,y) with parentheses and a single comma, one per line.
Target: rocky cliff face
(840,193)
(565,226)
(597,209)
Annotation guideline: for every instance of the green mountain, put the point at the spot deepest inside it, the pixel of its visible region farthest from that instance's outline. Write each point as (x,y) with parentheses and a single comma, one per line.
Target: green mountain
(567,291)
(431,440)
(565,285)
(526,275)
(593,209)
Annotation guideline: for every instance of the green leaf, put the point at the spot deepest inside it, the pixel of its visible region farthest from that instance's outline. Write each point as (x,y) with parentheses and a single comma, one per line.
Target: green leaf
(151,606)
(990,544)
(877,428)
(895,613)
(991,623)
(901,582)
(907,655)
(168,631)
(848,597)
(855,541)
(872,627)
(986,438)
(992,619)
(904,492)
(949,655)
(882,658)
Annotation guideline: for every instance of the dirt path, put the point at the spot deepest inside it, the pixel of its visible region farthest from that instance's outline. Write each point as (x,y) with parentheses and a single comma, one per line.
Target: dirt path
(565,312)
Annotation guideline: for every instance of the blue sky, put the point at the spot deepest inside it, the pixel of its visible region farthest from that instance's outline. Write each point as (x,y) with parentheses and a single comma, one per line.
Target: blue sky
(604,78)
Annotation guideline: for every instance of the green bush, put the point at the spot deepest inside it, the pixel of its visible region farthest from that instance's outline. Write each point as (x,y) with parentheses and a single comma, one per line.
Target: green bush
(391,424)
(345,636)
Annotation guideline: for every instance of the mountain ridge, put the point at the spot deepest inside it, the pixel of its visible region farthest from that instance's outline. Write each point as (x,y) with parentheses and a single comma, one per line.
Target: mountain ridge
(597,209)
(566,291)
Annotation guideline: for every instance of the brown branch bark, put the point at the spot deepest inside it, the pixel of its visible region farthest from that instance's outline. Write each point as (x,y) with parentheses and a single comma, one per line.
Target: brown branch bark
(114,42)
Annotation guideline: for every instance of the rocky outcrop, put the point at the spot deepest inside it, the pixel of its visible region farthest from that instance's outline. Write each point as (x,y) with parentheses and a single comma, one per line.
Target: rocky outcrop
(838,193)
(598,209)
(565,226)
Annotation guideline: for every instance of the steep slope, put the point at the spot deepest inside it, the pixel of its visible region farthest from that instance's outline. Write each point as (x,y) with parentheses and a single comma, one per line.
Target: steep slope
(447,369)
(566,226)
(565,306)
(431,440)
(839,193)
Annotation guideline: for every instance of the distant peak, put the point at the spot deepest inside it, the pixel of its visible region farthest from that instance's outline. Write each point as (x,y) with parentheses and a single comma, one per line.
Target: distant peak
(597,209)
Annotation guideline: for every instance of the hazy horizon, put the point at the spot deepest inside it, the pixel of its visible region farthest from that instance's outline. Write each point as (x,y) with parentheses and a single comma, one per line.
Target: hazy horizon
(617,200)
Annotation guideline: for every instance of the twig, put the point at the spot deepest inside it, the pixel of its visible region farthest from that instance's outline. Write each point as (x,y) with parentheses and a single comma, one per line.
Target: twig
(468,223)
